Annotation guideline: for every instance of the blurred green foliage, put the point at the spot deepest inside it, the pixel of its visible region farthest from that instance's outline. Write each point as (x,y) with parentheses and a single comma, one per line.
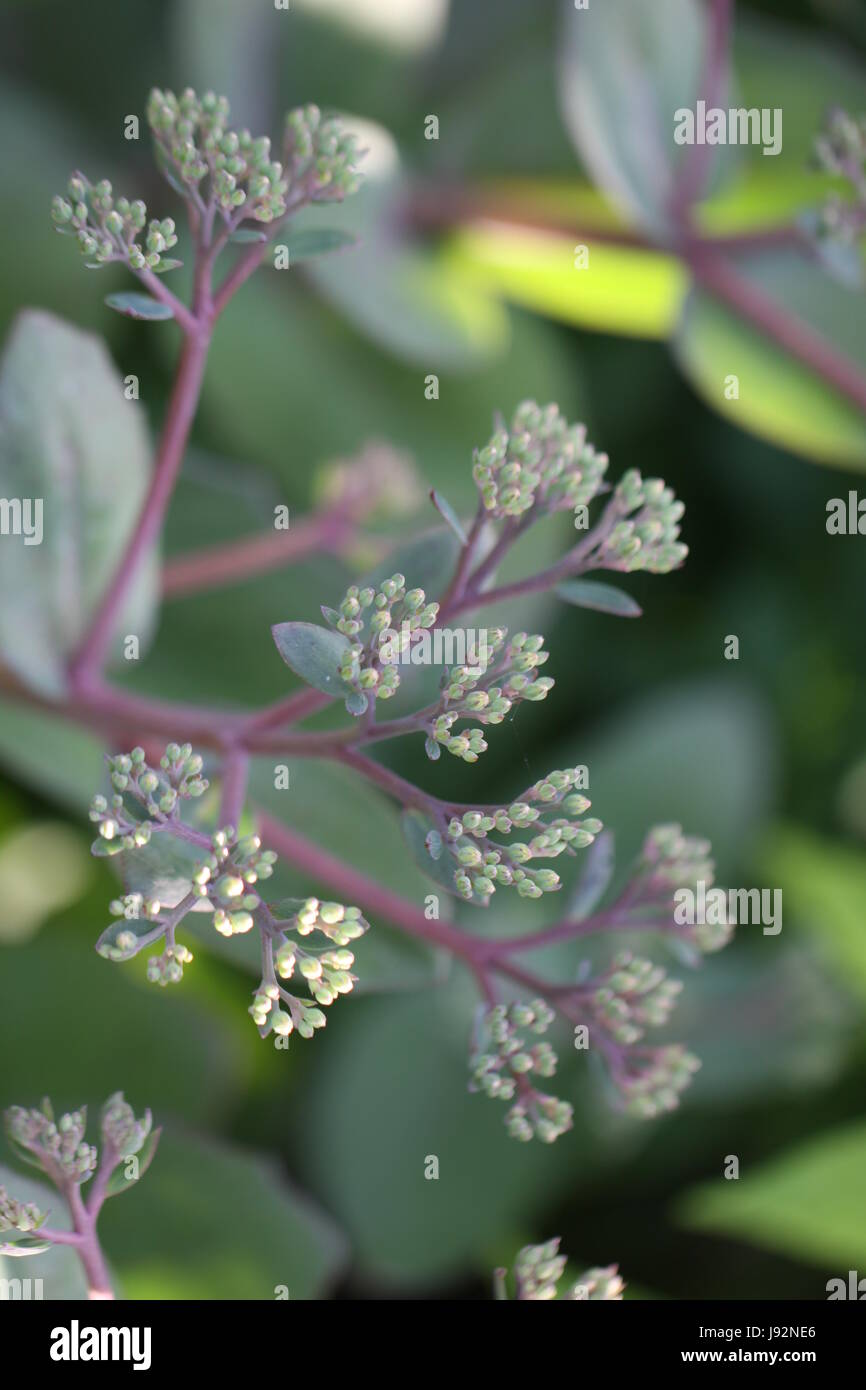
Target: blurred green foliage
(755,754)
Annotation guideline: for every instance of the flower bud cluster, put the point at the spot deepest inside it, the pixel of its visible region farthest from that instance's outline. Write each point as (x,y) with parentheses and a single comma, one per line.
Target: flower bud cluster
(18,1216)
(194,143)
(326,973)
(539,1268)
(483,864)
(602,1284)
(380,624)
(167,968)
(503,1060)
(634,995)
(651,1079)
(227,874)
(669,861)
(109,228)
(321,155)
(540,462)
(59,1147)
(121,1131)
(645,535)
(487,692)
(159,792)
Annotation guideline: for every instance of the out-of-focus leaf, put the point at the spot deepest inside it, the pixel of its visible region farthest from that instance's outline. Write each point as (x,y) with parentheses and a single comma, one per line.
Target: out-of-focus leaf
(407,298)
(27,1245)
(317,241)
(596,874)
(808,1203)
(770,1026)
(803,72)
(245,236)
(277,346)
(779,397)
(134,305)
(199,1050)
(824,886)
(587,593)
(366,1153)
(762,196)
(620,289)
(119,1183)
(43,867)
(314,653)
(72,445)
(427,561)
(214,1222)
(700,754)
(624,70)
(57,759)
(447,512)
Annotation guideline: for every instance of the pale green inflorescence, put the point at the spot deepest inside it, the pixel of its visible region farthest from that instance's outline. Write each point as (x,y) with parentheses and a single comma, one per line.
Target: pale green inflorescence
(60,1145)
(224,877)
(219,170)
(487,692)
(380,624)
(483,864)
(121,1130)
(539,1268)
(541,464)
(325,971)
(507,1053)
(22,1217)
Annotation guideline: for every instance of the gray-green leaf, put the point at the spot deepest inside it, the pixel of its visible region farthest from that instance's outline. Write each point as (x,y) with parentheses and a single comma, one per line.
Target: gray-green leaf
(447,512)
(134,305)
(119,1183)
(74,452)
(314,653)
(587,593)
(317,241)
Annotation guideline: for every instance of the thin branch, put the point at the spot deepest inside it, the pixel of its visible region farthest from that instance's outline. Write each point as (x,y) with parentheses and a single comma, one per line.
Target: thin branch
(214,566)
(356,888)
(154,285)
(802,342)
(90,657)
(236,770)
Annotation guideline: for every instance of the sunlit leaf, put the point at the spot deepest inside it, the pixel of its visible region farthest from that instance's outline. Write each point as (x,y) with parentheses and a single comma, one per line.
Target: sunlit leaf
(778,395)
(619,289)
(808,1203)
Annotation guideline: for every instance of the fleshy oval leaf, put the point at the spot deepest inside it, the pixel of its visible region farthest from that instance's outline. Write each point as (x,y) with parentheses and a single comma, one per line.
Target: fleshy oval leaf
(604,598)
(134,305)
(314,653)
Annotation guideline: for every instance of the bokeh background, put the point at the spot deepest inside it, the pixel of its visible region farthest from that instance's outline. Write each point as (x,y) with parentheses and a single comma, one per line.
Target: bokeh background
(305,1169)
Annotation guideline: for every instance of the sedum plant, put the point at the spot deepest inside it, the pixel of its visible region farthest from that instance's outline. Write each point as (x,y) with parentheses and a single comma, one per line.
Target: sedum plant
(58,1147)
(181,852)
